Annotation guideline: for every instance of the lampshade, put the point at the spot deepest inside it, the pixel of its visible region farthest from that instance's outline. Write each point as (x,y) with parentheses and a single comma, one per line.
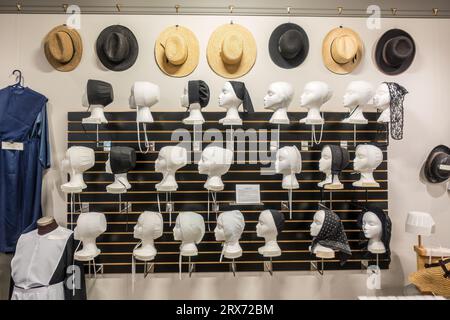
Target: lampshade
(419,223)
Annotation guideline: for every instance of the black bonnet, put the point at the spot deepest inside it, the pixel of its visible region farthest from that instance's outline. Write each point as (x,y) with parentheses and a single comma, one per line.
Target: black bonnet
(122,159)
(385,222)
(99,93)
(198,92)
(340,158)
(278,218)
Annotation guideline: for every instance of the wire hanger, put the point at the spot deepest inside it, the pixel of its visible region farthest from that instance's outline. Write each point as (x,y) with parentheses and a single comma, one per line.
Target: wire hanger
(19,78)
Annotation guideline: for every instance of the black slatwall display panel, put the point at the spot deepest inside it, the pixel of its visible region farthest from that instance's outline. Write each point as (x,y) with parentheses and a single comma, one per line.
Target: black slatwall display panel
(117,242)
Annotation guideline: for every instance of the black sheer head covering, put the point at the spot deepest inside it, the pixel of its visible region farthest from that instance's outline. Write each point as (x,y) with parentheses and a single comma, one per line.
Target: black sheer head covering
(122,159)
(397,93)
(278,218)
(340,158)
(332,235)
(241,92)
(198,92)
(99,92)
(385,223)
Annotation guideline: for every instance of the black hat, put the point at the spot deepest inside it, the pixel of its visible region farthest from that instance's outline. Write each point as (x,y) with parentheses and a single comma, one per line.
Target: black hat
(395,52)
(117,48)
(288,45)
(198,92)
(278,219)
(99,92)
(241,92)
(122,159)
(440,155)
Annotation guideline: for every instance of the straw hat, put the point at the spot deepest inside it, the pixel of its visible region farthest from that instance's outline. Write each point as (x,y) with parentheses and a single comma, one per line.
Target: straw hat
(431,280)
(342,50)
(177,51)
(63,48)
(231,51)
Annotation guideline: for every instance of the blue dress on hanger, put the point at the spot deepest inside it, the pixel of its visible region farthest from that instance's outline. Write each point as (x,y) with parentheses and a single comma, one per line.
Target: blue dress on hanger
(23,120)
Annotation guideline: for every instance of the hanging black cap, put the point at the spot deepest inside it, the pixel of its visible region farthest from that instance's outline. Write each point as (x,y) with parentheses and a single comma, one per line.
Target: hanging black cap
(241,92)
(340,158)
(198,92)
(122,159)
(99,92)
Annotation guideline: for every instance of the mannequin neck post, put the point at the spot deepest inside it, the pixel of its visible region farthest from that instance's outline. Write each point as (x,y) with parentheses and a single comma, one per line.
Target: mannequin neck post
(290,181)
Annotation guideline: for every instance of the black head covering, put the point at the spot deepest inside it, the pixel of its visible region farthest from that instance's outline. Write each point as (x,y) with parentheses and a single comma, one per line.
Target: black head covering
(198,92)
(340,158)
(332,235)
(99,92)
(278,218)
(385,223)
(397,93)
(122,159)
(241,92)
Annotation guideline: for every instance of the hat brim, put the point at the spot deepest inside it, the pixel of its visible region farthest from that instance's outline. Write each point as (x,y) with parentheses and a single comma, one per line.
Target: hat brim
(214,47)
(427,167)
(129,61)
(193,52)
(77,47)
(275,54)
(381,64)
(328,60)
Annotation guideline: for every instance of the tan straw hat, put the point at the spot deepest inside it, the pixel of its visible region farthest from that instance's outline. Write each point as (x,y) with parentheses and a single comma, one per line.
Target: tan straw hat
(342,50)
(231,51)
(431,280)
(177,51)
(63,48)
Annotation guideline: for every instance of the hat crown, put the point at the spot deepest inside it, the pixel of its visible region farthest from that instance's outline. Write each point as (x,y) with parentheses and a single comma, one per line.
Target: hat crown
(290,44)
(441,158)
(61,46)
(176,49)
(232,48)
(397,50)
(116,47)
(343,49)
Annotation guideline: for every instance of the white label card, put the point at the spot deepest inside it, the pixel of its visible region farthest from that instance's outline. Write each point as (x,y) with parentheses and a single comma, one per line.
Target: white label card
(248,193)
(18,146)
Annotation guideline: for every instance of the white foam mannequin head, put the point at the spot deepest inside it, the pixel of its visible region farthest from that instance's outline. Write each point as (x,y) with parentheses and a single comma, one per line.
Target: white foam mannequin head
(278,98)
(229,228)
(315,94)
(325,163)
(373,230)
(76,161)
(143,96)
(215,162)
(357,95)
(170,159)
(315,227)
(195,110)
(97,115)
(90,226)
(230,102)
(148,228)
(189,229)
(120,184)
(289,162)
(382,101)
(267,229)
(367,159)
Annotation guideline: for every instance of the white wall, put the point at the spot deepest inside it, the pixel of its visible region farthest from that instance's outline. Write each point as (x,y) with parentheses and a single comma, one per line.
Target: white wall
(427,116)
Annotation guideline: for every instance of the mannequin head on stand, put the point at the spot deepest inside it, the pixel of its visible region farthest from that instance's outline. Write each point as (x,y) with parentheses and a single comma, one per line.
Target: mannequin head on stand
(194,98)
(143,96)
(289,162)
(270,225)
(170,159)
(234,93)
(376,226)
(278,98)
(75,163)
(120,161)
(229,228)
(89,227)
(189,229)
(381,101)
(98,95)
(357,95)
(315,94)
(215,162)
(333,160)
(148,228)
(367,158)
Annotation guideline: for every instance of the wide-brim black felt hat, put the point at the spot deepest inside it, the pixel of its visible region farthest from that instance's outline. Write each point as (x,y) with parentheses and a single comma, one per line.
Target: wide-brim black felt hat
(440,155)
(403,54)
(298,42)
(117,48)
